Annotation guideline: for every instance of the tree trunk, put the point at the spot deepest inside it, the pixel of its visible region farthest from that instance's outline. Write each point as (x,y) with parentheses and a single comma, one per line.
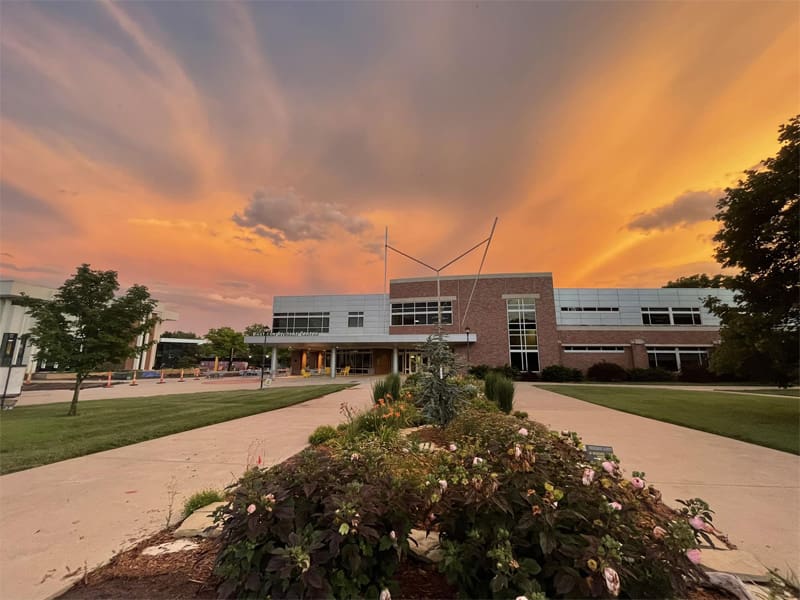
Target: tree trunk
(73,407)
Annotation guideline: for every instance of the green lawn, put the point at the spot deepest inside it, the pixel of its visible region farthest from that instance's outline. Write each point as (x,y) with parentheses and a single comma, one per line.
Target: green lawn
(770,422)
(793,392)
(31,436)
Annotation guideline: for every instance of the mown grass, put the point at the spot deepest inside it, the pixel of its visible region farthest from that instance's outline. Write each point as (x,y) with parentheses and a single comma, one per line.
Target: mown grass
(31,436)
(770,422)
(793,392)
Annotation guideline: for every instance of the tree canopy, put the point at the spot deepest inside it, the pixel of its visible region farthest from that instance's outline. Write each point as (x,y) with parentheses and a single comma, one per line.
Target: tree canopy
(222,341)
(698,280)
(256,329)
(86,328)
(760,237)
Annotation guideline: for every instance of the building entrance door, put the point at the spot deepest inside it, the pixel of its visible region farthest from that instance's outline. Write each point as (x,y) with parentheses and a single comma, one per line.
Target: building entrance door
(409,361)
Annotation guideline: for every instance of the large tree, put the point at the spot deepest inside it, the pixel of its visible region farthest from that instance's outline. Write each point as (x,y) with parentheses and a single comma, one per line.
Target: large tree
(87,327)
(760,237)
(258,352)
(698,280)
(225,342)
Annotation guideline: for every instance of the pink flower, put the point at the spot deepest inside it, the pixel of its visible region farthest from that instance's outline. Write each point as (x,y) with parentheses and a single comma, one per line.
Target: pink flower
(609,467)
(517,451)
(694,555)
(615,505)
(476,461)
(659,532)
(612,581)
(452,447)
(588,476)
(637,482)
(251,509)
(385,595)
(443,484)
(697,523)
(523,431)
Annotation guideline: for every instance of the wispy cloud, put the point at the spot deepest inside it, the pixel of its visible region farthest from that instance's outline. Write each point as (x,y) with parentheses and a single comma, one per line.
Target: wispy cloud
(688,208)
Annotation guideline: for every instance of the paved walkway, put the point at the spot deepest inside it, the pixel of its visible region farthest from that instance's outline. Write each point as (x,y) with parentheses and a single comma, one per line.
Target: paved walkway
(755,491)
(56,519)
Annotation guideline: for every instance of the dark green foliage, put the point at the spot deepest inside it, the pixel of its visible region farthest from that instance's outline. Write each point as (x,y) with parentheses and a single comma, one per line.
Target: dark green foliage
(199,500)
(500,390)
(378,390)
(650,374)
(479,371)
(438,393)
(321,434)
(222,341)
(86,328)
(760,236)
(520,414)
(698,280)
(321,525)
(522,522)
(697,374)
(561,374)
(606,371)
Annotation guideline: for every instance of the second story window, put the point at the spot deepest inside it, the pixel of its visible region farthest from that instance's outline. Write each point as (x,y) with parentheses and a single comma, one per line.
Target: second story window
(355,319)
(421,313)
(670,316)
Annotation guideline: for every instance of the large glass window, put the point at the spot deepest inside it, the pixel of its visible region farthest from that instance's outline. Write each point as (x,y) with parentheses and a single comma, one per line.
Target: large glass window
(670,316)
(674,359)
(7,349)
(301,322)
(523,343)
(355,319)
(421,313)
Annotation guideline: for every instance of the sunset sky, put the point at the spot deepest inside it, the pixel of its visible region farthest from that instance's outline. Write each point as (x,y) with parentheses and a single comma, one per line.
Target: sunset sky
(222,153)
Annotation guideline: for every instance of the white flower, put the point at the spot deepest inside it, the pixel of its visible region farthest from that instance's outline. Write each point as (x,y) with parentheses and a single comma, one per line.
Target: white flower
(355,456)
(517,451)
(385,595)
(521,598)
(443,484)
(392,535)
(588,476)
(452,447)
(476,461)
(612,581)
(523,431)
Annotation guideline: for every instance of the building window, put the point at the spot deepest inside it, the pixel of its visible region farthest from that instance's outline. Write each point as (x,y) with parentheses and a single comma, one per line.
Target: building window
(674,359)
(301,322)
(7,349)
(355,319)
(590,308)
(591,348)
(523,344)
(670,316)
(23,344)
(421,313)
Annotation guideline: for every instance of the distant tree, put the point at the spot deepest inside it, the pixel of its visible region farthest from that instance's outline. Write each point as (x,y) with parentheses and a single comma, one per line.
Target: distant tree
(86,327)
(698,280)
(258,352)
(760,236)
(187,335)
(225,342)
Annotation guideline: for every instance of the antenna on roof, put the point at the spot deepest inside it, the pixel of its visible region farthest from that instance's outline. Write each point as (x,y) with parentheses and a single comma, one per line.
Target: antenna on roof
(438,271)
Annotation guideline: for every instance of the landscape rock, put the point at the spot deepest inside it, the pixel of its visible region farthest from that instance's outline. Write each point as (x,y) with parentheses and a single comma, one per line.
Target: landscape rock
(200,523)
(170,547)
(425,546)
(736,562)
(729,584)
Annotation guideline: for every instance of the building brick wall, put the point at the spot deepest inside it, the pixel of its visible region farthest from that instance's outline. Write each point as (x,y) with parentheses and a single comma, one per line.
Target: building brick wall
(487,317)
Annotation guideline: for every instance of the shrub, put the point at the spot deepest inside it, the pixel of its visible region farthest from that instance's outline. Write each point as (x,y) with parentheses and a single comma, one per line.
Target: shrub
(490,386)
(558,373)
(651,374)
(389,386)
(520,414)
(479,371)
(696,374)
(379,390)
(322,434)
(606,371)
(500,390)
(199,500)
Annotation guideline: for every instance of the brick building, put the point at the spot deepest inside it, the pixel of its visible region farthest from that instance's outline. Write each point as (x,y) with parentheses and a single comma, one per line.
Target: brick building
(517,319)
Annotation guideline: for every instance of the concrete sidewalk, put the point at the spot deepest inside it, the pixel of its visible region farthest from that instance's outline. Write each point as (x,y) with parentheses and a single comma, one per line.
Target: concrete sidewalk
(754,491)
(56,519)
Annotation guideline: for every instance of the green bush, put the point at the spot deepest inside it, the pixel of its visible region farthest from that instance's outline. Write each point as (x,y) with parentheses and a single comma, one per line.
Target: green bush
(520,414)
(201,499)
(606,371)
(697,374)
(393,384)
(561,374)
(650,374)
(322,434)
(321,525)
(490,386)
(505,394)
(479,371)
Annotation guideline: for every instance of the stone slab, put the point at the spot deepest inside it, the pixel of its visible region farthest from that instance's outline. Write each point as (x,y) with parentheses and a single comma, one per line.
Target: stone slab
(170,547)
(200,523)
(425,546)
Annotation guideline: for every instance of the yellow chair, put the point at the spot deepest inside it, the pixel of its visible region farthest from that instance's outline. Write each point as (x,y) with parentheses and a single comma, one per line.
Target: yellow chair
(346,371)
(305,373)
(327,370)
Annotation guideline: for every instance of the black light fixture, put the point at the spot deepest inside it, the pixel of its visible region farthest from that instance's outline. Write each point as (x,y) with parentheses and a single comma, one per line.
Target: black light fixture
(466,329)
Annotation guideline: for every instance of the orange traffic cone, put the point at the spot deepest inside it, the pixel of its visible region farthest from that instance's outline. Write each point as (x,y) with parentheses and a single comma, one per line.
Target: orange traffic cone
(197,373)
(162,377)
(133,381)
(108,383)
(181,377)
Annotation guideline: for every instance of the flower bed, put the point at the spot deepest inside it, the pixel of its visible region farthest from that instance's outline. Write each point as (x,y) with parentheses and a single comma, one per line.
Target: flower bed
(520,511)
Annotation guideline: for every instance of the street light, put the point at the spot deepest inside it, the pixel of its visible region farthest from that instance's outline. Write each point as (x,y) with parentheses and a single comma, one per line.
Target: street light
(263,358)
(466,329)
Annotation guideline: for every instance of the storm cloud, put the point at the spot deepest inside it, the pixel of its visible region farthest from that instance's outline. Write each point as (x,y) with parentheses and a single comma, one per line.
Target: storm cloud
(688,208)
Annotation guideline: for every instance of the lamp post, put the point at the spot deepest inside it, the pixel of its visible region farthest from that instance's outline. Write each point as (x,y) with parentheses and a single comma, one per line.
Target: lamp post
(263,358)
(466,330)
